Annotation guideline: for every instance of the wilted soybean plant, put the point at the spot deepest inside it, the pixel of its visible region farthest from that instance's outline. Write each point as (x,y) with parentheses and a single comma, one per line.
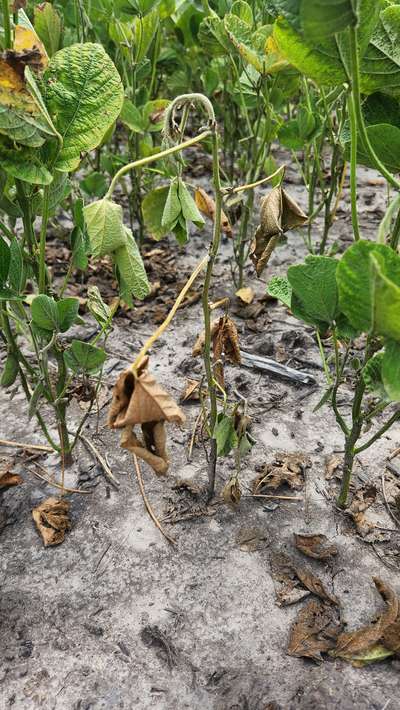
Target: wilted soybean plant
(353,302)
(54,109)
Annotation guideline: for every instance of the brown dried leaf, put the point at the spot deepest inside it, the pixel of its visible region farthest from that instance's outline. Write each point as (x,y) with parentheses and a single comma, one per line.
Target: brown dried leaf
(362,500)
(314,584)
(152,449)
(285,469)
(251,539)
(316,546)
(206,204)
(8,479)
(191,393)
(245,294)
(354,643)
(332,466)
(199,344)
(315,631)
(286,582)
(52,520)
(231,493)
(279,213)
(225,344)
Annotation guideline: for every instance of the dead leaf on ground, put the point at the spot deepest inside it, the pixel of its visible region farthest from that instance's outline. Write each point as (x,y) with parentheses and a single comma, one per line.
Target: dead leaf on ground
(316,546)
(191,393)
(279,213)
(286,582)
(315,630)
(245,294)
(52,520)
(140,399)
(186,485)
(251,539)
(314,584)
(285,469)
(231,493)
(206,205)
(333,464)
(8,478)
(368,643)
(362,500)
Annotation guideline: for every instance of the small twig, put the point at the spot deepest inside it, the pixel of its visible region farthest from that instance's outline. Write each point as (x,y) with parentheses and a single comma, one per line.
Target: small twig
(260,495)
(251,186)
(193,437)
(394,453)
(107,470)
(57,485)
(147,504)
(20,445)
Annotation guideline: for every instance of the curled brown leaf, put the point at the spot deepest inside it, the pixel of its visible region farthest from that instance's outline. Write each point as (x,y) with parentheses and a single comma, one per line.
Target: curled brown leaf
(316,546)
(52,520)
(206,205)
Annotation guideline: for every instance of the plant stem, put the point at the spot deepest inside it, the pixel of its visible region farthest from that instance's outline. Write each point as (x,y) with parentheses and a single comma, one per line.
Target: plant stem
(394,418)
(214,248)
(355,81)
(395,236)
(7,25)
(42,243)
(353,169)
(157,156)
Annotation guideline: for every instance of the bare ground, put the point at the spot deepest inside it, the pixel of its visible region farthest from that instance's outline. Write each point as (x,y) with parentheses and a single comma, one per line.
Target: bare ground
(116,617)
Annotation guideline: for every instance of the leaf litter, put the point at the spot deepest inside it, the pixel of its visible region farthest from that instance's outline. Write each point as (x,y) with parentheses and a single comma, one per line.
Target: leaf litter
(52,520)
(285,469)
(317,547)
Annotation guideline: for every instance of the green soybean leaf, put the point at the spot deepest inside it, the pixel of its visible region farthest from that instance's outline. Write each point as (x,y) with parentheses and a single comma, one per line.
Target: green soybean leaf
(355,284)
(280,288)
(372,376)
(83,357)
(386,301)
(94,184)
(67,311)
(153,114)
(23,163)
(5,256)
(153,206)
(80,248)
(323,18)
(385,141)
(391,370)
(133,277)
(314,285)
(188,205)
(21,127)
(47,23)
(85,94)
(225,435)
(172,208)
(44,313)
(16,269)
(132,117)
(100,311)
(181,231)
(104,222)
(10,372)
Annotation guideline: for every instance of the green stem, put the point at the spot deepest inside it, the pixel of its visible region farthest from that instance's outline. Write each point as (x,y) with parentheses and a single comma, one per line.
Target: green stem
(353,169)
(395,236)
(157,156)
(7,25)
(379,433)
(356,92)
(42,243)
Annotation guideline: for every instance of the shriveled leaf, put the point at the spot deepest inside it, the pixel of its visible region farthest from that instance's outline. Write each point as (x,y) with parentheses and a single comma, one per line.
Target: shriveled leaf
(287,585)
(85,94)
(362,500)
(315,631)
(314,584)
(316,546)
(8,479)
(206,205)
(225,342)
(285,469)
(152,449)
(100,311)
(352,644)
(52,520)
(172,207)
(231,494)
(245,294)
(191,393)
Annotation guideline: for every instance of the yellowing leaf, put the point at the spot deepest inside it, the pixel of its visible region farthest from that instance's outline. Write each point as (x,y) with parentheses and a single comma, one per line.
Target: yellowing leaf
(246,294)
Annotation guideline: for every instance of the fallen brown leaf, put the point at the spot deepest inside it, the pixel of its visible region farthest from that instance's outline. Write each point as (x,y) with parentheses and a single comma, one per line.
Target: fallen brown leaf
(8,479)
(231,493)
(279,213)
(285,469)
(351,645)
(245,294)
(362,500)
(332,466)
(313,583)
(286,582)
(52,520)
(316,546)
(191,393)
(251,539)
(315,630)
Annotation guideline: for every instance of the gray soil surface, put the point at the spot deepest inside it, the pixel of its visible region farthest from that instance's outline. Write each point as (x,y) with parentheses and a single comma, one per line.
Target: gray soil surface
(116,617)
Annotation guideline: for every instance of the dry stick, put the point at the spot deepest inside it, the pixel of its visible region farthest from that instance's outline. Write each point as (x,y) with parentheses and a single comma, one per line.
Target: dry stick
(147,504)
(192,438)
(57,485)
(170,315)
(20,445)
(107,470)
(259,495)
(388,508)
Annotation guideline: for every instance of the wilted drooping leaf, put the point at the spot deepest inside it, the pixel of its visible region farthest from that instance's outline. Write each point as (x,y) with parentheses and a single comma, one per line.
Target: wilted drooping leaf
(279,213)
(52,520)
(315,630)
(225,347)
(285,469)
(231,493)
(356,646)
(316,546)
(139,399)
(206,205)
